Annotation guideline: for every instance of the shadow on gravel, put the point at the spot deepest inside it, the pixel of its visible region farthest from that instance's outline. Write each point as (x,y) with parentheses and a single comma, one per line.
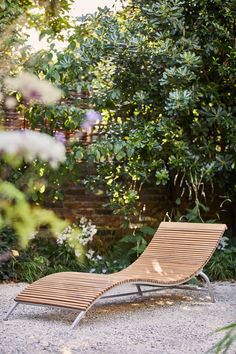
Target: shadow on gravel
(109,308)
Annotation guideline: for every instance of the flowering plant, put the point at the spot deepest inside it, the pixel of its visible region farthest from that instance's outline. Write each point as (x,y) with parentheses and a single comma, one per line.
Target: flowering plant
(33,89)
(224,241)
(77,237)
(17,147)
(30,145)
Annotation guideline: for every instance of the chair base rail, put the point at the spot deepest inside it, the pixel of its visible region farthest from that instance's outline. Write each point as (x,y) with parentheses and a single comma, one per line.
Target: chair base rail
(139,291)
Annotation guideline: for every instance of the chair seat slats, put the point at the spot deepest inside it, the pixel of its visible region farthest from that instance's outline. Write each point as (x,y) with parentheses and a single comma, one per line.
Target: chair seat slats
(176,253)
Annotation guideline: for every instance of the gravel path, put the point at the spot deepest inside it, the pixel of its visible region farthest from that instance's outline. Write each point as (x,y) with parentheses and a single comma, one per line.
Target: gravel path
(166,322)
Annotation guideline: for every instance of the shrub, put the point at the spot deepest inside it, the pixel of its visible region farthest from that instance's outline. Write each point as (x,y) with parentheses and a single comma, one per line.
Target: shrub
(222,265)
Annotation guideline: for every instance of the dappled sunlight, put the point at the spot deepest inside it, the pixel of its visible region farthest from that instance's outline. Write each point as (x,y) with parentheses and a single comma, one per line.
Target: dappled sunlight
(174,321)
(157,267)
(66,351)
(147,271)
(156,300)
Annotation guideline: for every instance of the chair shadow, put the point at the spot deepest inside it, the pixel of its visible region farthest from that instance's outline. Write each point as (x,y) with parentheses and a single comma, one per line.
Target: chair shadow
(109,308)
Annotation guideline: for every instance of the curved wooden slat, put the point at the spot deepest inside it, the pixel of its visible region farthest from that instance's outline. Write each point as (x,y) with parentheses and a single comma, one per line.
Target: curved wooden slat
(177,252)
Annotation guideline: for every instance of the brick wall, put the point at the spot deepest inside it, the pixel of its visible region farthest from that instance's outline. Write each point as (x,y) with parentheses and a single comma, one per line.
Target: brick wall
(78,202)
(154,203)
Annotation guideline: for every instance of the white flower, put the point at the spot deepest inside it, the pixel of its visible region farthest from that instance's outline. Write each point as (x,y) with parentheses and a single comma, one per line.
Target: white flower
(65,235)
(223,243)
(90,254)
(34,89)
(60,241)
(32,236)
(77,253)
(32,145)
(83,242)
(10,102)
(83,220)
(88,230)
(68,229)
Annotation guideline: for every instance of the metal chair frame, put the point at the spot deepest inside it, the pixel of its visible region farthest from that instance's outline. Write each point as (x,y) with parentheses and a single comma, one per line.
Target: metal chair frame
(139,291)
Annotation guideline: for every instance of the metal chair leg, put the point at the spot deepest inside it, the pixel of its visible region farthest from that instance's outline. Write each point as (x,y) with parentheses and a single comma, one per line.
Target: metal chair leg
(78,319)
(10,311)
(139,289)
(210,289)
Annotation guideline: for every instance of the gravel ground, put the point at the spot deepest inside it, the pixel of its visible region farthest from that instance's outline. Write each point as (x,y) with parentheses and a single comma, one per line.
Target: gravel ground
(165,322)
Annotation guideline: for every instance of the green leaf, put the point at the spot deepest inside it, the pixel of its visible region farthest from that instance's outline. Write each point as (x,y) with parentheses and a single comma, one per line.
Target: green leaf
(79,155)
(120,155)
(118,147)
(147,230)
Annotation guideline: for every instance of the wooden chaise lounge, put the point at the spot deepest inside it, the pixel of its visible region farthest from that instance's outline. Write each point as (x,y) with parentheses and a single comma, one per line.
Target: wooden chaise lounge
(177,253)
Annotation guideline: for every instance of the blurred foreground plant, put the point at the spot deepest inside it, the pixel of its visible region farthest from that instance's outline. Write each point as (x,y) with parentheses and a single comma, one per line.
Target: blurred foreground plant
(16,212)
(225,344)
(19,148)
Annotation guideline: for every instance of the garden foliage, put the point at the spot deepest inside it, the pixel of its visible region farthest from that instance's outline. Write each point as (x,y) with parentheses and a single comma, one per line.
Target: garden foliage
(22,148)
(163,75)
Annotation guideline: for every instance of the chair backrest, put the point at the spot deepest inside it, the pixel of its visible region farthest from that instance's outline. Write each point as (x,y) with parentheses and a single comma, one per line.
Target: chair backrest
(178,248)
